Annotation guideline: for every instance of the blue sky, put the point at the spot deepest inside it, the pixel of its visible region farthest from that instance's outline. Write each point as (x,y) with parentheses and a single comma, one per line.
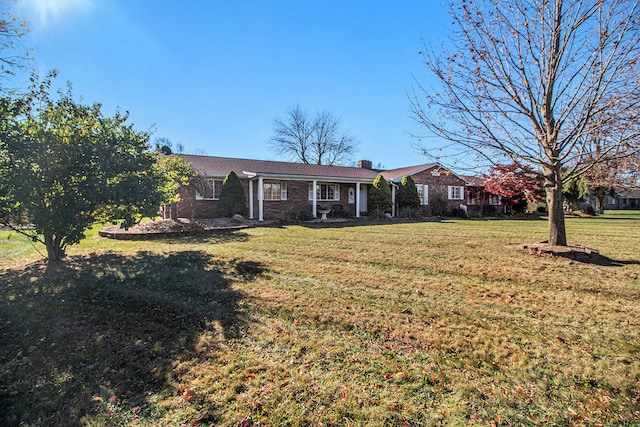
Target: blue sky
(213,75)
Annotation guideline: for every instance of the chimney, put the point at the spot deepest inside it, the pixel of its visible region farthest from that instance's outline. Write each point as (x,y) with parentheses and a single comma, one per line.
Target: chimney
(365,164)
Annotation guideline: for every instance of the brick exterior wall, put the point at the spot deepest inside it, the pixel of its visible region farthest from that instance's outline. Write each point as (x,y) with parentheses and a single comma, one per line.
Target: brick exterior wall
(297,201)
(439,184)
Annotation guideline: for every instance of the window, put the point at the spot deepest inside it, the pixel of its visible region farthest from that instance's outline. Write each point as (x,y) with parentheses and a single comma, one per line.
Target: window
(325,192)
(456,193)
(210,189)
(274,190)
(494,200)
(423,193)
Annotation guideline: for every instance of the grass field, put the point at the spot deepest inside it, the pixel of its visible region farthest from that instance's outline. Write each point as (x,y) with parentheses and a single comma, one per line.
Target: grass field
(430,323)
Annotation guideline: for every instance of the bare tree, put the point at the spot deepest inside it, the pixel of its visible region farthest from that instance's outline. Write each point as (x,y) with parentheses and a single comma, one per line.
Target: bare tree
(12,29)
(534,81)
(318,140)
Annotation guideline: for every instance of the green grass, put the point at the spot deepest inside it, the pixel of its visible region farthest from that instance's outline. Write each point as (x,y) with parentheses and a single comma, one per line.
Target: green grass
(431,323)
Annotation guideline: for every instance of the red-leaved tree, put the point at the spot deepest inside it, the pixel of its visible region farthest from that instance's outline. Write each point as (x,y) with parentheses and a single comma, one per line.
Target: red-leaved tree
(515,183)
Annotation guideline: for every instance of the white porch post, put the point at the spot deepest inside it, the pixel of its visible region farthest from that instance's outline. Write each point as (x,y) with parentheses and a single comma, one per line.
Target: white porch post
(260,199)
(314,207)
(393,200)
(357,200)
(250,199)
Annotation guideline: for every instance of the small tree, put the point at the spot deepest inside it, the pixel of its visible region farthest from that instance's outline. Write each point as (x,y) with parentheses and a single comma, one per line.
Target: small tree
(408,194)
(515,183)
(64,165)
(574,190)
(380,196)
(177,173)
(232,200)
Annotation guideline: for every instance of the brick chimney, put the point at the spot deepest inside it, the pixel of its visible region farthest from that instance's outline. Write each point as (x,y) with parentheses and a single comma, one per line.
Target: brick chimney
(365,164)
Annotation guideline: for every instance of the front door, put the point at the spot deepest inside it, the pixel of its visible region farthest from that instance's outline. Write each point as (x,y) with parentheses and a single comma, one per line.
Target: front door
(363,198)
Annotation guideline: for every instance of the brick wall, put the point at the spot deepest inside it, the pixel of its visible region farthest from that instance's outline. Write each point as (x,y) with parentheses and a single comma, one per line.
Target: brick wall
(297,201)
(439,184)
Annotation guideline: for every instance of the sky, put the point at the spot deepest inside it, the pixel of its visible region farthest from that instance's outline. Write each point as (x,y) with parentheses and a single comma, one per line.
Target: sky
(213,75)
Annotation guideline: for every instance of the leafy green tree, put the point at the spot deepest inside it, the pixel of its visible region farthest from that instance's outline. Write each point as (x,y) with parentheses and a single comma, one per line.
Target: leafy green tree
(380,196)
(575,190)
(232,200)
(65,165)
(408,194)
(177,173)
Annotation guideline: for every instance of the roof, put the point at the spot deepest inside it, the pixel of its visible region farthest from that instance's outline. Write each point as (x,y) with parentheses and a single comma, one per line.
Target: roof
(397,174)
(629,194)
(246,168)
(474,180)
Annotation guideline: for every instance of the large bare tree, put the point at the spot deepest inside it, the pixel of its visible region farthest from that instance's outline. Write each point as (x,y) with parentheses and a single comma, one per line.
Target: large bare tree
(13,56)
(537,81)
(312,140)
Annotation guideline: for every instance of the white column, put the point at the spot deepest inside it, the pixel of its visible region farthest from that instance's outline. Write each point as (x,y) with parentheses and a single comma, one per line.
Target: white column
(314,208)
(250,199)
(393,200)
(260,199)
(357,200)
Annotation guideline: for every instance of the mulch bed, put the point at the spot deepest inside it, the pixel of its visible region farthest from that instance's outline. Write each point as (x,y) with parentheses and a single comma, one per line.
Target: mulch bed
(169,228)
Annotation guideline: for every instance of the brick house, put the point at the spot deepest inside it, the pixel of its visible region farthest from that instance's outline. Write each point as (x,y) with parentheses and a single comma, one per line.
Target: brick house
(278,189)
(283,189)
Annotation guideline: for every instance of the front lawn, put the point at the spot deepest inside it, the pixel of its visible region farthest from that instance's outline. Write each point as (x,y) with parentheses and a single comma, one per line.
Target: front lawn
(430,323)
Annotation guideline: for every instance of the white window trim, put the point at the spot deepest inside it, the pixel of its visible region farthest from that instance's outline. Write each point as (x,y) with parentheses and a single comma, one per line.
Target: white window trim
(283,190)
(452,188)
(213,183)
(336,192)
(423,193)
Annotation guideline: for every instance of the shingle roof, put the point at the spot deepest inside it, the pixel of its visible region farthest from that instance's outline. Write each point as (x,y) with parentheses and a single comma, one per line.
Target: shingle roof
(221,166)
(474,180)
(398,174)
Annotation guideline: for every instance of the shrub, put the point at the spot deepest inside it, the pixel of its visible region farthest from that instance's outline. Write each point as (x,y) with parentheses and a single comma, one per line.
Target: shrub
(379,215)
(457,213)
(380,195)
(589,210)
(232,200)
(304,216)
(409,213)
(408,194)
(438,202)
(489,210)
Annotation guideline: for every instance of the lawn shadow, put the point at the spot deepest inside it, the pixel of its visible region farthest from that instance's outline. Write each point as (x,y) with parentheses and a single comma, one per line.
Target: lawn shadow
(109,329)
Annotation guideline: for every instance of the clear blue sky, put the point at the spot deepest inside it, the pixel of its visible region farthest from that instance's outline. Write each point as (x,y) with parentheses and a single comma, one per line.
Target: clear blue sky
(213,75)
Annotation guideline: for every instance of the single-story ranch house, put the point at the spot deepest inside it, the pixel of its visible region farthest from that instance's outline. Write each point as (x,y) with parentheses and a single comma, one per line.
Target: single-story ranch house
(283,190)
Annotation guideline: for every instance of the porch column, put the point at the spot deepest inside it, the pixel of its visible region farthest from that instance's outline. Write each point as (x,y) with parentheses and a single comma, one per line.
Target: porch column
(393,200)
(250,199)
(314,207)
(357,200)
(260,199)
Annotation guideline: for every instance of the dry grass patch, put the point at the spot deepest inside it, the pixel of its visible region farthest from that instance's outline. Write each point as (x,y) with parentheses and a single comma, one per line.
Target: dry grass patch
(384,324)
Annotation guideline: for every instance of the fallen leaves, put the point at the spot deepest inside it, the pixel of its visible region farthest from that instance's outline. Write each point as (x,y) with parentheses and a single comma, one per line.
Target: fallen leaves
(187,393)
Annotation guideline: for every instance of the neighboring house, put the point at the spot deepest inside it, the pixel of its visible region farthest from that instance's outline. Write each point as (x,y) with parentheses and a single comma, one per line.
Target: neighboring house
(431,179)
(628,199)
(278,189)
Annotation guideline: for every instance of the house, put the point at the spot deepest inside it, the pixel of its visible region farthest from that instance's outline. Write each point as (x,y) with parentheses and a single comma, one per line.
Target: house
(479,201)
(628,199)
(283,189)
(278,189)
(431,179)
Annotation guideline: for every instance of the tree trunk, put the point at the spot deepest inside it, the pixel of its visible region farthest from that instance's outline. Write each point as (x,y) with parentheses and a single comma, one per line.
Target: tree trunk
(600,204)
(55,250)
(555,204)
